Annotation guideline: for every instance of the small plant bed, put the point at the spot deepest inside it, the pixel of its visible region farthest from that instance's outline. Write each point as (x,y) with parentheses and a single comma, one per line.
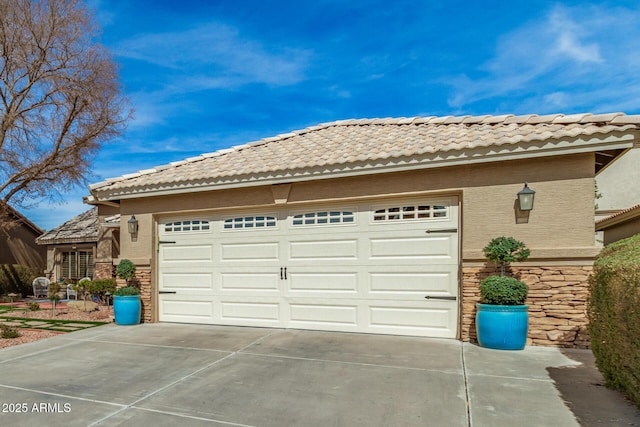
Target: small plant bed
(6,308)
(48,324)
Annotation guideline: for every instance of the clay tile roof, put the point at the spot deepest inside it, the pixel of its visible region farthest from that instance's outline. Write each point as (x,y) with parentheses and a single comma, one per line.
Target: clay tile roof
(80,229)
(355,145)
(623,215)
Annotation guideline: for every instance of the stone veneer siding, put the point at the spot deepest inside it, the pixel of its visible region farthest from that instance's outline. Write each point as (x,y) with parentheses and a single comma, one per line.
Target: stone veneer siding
(104,270)
(143,280)
(557,303)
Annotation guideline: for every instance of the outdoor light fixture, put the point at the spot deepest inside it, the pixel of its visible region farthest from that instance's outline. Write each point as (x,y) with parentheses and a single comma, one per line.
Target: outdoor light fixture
(525,198)
(133,225)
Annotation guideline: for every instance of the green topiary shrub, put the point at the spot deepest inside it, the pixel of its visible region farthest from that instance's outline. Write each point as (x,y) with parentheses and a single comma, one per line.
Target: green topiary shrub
(614,315)
(501,290)
(126,270)
(505,250)
(127,291)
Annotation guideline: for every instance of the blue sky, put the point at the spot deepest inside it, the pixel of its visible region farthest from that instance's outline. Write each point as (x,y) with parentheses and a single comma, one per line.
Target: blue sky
(206,75)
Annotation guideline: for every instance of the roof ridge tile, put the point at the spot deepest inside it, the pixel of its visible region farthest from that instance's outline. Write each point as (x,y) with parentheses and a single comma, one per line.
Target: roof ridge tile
(472,120)
(496,119)
(455,120)
(625,119)
(439,120)
(519,119)
(548,118)
(600,118)
(571,118)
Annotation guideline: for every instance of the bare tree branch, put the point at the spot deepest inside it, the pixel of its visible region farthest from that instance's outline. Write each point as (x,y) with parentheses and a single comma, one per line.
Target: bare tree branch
(60,98)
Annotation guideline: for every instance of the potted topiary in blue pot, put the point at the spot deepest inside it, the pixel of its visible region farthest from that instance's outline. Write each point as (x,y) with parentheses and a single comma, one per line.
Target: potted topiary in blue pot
(502,320)
(126,300)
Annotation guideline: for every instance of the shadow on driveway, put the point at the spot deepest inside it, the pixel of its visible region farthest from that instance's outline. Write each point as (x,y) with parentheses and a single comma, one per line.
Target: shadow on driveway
(584,391)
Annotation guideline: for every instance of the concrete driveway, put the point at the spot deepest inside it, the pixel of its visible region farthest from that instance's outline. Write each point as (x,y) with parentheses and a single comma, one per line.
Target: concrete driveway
(193,375)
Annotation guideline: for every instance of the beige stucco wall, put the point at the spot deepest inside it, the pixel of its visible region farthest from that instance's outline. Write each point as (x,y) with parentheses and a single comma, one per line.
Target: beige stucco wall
(618,183)
(622,231)
(560,225)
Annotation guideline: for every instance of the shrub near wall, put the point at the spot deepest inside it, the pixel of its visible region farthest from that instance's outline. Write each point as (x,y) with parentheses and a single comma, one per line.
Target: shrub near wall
(614,315)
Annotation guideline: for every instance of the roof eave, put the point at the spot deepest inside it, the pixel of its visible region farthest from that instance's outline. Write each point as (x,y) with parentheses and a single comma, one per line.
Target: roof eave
(26,221)
(535,149)
(623,216)
(66,241)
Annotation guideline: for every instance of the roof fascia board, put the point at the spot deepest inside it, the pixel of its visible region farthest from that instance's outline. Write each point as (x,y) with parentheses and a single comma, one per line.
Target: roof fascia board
(26,221)
(489,154)
(616,219)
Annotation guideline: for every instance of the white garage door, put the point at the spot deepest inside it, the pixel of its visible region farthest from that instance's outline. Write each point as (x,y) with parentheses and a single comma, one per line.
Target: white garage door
(383,267)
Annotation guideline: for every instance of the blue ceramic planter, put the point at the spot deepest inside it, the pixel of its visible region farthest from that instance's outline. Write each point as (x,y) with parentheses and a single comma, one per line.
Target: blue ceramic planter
(502,327)
(126,309)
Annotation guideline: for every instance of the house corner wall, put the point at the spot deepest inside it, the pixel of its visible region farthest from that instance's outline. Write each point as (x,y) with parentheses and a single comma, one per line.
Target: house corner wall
(557,302)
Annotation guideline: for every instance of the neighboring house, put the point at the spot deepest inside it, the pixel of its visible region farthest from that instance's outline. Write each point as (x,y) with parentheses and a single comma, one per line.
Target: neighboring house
(618,184)
(372,226)
(73,250)
(18,243)
(619,226)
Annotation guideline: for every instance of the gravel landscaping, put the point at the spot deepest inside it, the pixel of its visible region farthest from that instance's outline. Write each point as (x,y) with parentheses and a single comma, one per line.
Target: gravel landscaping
(64,312)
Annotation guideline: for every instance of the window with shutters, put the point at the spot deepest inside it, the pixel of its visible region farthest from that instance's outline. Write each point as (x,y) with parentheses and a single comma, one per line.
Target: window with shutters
(76,264)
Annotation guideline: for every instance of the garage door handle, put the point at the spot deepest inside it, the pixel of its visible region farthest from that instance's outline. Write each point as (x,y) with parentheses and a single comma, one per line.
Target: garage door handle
(444,230)
(160,242)
(283,273)
(166,292)
(447,298)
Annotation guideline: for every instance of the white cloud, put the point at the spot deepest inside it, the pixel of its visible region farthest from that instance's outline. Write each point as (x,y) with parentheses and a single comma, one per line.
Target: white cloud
(570,58)
(184,64)
(568,38)
(218,50)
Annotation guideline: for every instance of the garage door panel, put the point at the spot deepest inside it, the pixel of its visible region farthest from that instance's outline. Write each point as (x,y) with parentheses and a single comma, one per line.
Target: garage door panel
(316,315)
(186,253)
(256,251)
(186,281)
(186,310)
(412,247)
(428,319)
(393,281)
(323,250)
(250,312)
(242,281)
(321,281)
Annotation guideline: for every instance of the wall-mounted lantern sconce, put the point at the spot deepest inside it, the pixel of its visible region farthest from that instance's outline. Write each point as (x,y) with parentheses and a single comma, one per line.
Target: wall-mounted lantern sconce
(525,198)
(133,225)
